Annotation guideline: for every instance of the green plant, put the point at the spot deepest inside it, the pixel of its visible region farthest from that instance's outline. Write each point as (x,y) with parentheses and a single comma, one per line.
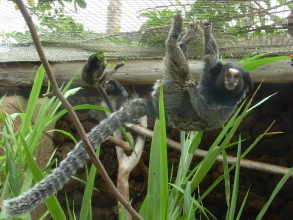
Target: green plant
(158,18)
(251,61)
(181,201)
(18,166)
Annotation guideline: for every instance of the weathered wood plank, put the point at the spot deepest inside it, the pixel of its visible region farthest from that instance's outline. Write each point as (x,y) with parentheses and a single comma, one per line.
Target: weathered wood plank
(133,73)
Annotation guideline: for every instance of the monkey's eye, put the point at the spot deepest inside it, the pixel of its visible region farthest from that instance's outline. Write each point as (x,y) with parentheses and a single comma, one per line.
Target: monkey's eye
(237,76)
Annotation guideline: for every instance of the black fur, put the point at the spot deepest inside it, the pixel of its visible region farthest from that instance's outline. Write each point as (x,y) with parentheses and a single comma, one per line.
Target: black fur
(214,93)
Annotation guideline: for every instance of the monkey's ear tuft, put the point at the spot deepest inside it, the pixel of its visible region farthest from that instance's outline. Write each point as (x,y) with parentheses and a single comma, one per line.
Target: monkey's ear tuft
(216,69)
(247,79)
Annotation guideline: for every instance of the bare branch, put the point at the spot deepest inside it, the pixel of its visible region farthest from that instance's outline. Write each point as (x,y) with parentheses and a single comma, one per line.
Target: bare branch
(56,91)
(231,160)
(119,143)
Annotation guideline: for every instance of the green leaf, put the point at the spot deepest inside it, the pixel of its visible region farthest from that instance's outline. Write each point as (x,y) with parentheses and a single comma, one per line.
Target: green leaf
(65,133)
(52,202)
(232,208)
(34,95)
(242,205)
(249,58)
(88,192)
(13,172)
(254,64)
(81,3)
(274,193)
(226,178)
(157,196)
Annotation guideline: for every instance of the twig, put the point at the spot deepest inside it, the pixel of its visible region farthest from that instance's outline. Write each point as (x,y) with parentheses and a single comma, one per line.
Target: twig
(56,91)
(202,153)
(120,143)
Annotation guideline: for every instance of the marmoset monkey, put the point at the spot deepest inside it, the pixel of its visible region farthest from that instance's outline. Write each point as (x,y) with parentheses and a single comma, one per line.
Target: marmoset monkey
(95,74)
(188,107)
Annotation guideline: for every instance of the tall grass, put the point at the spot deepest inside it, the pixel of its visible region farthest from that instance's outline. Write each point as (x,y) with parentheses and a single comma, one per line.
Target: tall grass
(182,202)
(18,167)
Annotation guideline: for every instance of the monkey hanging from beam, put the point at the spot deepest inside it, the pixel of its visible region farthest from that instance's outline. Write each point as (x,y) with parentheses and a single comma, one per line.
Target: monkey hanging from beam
(188,106)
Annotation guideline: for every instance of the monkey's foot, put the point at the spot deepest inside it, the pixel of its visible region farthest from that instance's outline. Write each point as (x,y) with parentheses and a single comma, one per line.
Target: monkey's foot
(207,27)
(177,25)
(190,87)
(190,35)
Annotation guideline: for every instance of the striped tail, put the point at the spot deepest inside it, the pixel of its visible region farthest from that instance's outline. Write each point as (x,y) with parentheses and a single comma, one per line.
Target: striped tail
(75,159)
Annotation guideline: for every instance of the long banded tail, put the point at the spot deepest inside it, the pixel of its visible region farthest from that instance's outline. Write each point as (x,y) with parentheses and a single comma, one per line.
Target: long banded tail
(75,159)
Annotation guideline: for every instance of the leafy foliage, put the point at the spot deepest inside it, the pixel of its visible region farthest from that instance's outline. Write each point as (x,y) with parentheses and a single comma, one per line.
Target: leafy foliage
(158,18)
(251,62)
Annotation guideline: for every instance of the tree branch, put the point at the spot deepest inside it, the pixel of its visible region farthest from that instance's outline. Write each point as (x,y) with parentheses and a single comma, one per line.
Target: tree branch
(56,91)
(264,167)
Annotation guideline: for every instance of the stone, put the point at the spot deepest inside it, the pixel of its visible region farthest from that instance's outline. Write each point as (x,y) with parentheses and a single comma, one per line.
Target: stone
(102,213)
(96,115)
(287,211)
(248,121)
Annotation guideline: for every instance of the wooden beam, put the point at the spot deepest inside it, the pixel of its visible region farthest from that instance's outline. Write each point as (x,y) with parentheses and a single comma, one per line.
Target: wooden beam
(135,72)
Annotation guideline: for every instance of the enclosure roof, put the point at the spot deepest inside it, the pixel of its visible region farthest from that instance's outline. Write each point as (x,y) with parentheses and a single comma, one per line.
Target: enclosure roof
(136,29)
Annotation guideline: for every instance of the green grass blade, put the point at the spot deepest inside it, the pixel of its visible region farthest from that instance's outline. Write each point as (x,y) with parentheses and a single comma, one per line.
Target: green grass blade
(187,206)
(52,202)
(34,95)
(254,64)
(250,58)
(226,178)
(88,192)
(78,107)
(205,166)
(70,215)
(13,172)
(232,207)
(157,196)
(65,133)
(2,99)
(260,102)
(274,193)
(242,205)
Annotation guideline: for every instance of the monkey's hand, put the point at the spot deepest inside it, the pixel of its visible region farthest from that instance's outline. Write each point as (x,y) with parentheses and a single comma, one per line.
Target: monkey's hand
(118,65)
(191,88)
(109,72)
(207,28)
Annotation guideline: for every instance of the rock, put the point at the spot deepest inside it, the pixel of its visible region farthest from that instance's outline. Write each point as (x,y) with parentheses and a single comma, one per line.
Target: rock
(96,115)
(254,202)
(87,126)
(271,108)
(285,116)
(287,211)
(102,214)
(273,147)
(59,137)
(82,100)
(271,216)
(62,151)
(249,121)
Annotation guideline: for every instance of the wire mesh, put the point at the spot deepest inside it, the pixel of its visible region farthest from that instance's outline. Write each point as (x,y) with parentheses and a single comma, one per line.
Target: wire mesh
(132,29)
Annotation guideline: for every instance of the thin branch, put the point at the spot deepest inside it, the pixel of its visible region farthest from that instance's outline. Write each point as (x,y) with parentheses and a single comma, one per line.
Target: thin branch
(56,91)
(202,153)
(120,143)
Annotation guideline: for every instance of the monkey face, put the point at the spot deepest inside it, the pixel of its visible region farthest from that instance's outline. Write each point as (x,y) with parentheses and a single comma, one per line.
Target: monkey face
(231,78)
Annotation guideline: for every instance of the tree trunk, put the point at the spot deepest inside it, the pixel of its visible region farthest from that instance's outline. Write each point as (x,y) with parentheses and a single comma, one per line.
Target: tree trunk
(114,16)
